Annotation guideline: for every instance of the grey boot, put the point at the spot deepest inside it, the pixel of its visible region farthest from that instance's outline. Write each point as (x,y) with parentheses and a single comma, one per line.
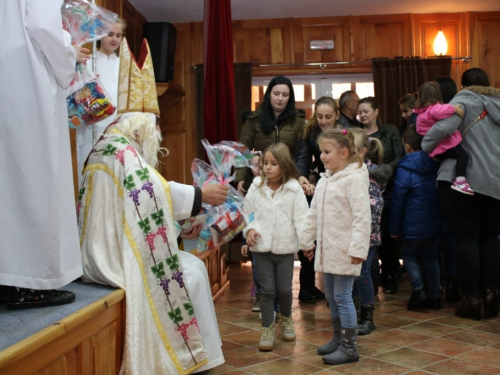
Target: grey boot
(334,343)
(366,326)
(347,351)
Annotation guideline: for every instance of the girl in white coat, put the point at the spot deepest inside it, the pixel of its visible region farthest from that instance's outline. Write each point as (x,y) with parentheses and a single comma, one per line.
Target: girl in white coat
(340,220)
(280,208)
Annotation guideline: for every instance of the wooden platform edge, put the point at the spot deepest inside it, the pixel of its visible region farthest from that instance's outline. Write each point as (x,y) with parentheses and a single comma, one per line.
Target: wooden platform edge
(221,290)
(32,344)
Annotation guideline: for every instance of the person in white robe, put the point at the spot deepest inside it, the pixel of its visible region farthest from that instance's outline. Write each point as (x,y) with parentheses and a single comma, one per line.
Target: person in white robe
(107,66)
(39,247)
(126,212)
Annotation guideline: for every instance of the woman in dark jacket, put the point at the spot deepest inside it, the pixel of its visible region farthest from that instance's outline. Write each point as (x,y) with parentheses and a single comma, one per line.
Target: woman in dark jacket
(326,114)
(276,120)
(393,151)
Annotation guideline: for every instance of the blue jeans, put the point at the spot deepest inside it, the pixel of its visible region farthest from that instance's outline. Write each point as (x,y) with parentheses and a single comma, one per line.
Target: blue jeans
(363,284)
(427,250)
(338,291)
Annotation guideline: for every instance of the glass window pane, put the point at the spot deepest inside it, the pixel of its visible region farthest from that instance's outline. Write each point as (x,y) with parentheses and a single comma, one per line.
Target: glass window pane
(339,88)
(364,89)
(299,93)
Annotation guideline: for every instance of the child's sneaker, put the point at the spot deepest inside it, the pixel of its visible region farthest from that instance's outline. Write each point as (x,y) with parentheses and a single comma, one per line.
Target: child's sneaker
(267,338)
(462,186)
(287,330)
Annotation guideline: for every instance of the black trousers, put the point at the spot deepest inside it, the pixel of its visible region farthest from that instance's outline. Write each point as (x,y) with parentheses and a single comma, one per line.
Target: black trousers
(474,222)
(307,274)
(462,156)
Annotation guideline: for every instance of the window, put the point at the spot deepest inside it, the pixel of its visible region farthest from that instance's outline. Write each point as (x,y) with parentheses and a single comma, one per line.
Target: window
(308,89)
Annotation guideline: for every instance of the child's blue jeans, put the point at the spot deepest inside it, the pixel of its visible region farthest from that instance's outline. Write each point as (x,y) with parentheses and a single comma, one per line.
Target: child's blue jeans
(338,291)
(427,250)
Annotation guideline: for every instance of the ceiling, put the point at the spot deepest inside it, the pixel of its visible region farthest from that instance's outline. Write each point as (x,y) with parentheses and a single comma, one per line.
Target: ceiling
(192,10)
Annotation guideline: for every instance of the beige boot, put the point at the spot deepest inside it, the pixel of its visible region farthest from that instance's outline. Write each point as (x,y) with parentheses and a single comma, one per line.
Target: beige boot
(287,331)
(267,339)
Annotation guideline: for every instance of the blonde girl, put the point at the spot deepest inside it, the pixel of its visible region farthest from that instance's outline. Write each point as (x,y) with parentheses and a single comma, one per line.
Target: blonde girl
(280,208)
(339,218)
(372,153)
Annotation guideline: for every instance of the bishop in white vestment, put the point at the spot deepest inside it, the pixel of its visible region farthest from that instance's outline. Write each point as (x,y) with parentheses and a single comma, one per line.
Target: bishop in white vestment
(126,212)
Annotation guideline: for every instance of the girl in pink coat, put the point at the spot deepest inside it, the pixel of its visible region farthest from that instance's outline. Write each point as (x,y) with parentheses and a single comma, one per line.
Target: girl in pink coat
(430,110)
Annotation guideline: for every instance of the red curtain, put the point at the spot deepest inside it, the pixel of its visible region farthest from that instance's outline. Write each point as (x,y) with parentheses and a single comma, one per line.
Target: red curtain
(219,111)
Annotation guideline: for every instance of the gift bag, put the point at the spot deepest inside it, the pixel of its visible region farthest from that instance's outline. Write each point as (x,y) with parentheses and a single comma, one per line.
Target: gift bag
(225,221)
(87,100)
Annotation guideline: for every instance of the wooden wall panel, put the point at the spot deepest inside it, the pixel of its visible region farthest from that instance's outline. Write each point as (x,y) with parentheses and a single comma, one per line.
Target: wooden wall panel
(306,29)
(380,36)
(174,167)
(485,35)
(262,41)
(425,29)
(104,349)
(67,364)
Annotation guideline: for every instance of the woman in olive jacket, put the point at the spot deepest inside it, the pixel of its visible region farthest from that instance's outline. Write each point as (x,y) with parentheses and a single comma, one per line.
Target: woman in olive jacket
(276,120)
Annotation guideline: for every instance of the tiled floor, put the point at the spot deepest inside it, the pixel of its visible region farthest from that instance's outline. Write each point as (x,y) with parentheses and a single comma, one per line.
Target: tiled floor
(405,342)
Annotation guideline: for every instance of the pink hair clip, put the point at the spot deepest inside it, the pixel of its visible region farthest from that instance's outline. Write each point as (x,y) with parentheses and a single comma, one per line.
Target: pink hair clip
(344,131)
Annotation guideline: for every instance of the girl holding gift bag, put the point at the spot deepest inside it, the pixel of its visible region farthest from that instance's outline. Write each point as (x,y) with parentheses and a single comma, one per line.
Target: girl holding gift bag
(280,208)
(107,67)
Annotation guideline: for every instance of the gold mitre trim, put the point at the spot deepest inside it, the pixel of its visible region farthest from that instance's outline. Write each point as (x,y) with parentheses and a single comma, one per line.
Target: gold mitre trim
(137,86)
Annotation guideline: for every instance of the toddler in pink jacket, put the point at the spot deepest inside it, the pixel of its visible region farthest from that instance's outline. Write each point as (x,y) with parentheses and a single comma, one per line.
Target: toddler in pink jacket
(430,110)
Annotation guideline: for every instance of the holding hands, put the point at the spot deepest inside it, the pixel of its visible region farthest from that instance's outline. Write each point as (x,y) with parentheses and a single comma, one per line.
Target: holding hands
(306,186)
(244,250)
(355,260)
(252,237)
(309,254)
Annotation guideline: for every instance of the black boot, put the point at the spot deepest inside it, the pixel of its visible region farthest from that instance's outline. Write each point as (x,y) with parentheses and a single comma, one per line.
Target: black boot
(452,292)
(490,303)
(347,351)
(367,326)
(318,294)
(306,296)
(357,305)
(22,298)
(4,292)
(418,300)
(470,308)
(334,343)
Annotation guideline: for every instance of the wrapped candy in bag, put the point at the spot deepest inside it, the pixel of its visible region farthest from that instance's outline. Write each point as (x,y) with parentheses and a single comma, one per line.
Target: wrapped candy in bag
(87,100)
(225,221)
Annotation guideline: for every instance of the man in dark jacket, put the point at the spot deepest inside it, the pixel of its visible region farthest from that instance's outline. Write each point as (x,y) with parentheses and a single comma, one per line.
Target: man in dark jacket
(348,104)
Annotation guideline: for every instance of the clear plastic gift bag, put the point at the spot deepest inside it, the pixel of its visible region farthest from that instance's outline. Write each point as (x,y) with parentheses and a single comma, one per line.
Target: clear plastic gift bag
(225,221)
(87,99)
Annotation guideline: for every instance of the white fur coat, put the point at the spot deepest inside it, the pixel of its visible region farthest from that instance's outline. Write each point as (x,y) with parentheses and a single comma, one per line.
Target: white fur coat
(340,220)
(279,218)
